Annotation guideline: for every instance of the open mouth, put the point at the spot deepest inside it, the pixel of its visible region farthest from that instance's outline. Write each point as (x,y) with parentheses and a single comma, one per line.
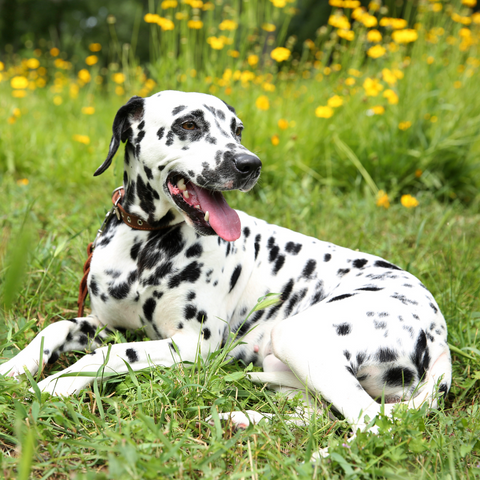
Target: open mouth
(207,209)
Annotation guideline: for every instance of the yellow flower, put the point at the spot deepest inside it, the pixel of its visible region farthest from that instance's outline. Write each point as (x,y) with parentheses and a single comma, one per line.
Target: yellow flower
(84,75)
(216,43)
(23,181)
(279,3)
(165,24)
(346,34)
(476,18)
(374,36)
(418,173)
(57,100)
(275,140)
(268,87)
(19,93)
(354,73)
(350,81)
(408,201)
(208,6)
(195,24)
(389,77)
(372,87)
(280,54)
(33,63)
(376,51)
(324,111)
(376,110)
(169,4)
(339,21)
(16,112)
(405,36)
(368,20)
(404,125)
(269,27)
(88,110)
(195,3)
(228,25)
(252,60)
(335,101)
(91,60)
(433,119)
(391,96)
(469,3)
(398,73)
(457,84)
(283,124)
(262,102)
(94,47)
(437,7)
(2,66)
(395,23)
(19,82)
(382,199)
(234,53)
(82,139)
(118,78)
(54,52)
(119,90)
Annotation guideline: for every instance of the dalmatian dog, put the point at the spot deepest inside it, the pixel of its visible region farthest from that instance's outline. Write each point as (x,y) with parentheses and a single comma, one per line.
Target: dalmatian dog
(350,326)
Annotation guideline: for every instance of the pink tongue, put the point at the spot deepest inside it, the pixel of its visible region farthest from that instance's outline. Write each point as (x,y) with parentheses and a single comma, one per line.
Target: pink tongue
(223,219)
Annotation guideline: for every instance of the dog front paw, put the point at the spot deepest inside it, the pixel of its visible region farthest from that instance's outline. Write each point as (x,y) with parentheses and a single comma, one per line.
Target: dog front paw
(241,420)
(16,366)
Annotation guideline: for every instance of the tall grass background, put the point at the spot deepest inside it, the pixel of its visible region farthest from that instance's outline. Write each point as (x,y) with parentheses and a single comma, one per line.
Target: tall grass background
(342,162)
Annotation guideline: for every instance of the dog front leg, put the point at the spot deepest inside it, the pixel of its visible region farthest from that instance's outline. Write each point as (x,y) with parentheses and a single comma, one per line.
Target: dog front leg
(59,337)
(113,359)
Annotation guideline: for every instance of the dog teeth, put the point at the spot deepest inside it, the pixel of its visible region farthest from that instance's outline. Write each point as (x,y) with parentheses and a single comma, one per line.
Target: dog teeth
(207,216)
(185,194)
(197,206)
(181,185)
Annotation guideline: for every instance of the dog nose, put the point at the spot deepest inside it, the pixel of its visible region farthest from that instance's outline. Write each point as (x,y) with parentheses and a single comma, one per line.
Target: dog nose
(247,163)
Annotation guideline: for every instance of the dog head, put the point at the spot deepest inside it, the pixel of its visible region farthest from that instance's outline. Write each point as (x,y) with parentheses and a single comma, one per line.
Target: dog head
(184,149)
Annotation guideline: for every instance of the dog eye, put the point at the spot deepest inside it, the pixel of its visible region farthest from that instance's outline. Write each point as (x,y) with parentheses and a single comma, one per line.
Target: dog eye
(238,131)
(189,126)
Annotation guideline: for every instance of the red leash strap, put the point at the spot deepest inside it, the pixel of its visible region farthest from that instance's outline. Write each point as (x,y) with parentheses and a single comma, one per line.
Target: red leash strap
(83,290)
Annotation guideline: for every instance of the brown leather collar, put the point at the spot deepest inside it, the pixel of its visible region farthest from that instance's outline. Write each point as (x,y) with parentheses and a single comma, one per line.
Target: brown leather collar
(129,219)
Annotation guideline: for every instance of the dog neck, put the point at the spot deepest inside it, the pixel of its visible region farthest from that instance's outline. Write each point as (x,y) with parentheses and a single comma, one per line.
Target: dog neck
(144,195)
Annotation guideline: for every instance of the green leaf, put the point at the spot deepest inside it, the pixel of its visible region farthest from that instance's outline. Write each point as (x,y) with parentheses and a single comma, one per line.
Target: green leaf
(233,377)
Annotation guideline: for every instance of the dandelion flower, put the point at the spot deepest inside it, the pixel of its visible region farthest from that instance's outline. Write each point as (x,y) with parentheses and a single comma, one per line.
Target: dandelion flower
(350,81)
(19,82)
(376,110)
(374,36)
(404,125)
(252,60)
(54,52)
(372,87)
(346,34)
(262,102)
(119,90)
(376,51)
(283,124)
(228,25)
(85,139)
(405,36)
(269,27)
(280,54)
(275,140)
(389,77)
(324,111)
(382,199)
(84,75)
(57,100)
(391,96)
(118,78)
(216,43)
(408,201)
(33,63)
(195,24)
(94,47)
(335,101)
(23,181)
(88,110)
(91,60)
(279,3)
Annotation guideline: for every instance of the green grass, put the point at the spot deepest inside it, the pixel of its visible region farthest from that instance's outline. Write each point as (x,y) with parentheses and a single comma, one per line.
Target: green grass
(321,179)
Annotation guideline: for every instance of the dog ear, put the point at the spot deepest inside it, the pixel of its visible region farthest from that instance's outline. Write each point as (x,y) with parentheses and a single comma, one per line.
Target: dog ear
(132,110)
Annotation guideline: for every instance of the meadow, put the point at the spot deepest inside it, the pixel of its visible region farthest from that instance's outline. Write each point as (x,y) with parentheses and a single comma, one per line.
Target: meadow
(369,135)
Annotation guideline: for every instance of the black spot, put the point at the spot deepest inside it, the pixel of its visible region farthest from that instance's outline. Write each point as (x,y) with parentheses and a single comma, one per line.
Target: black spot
(206,333)
(233,279)
(278,264)
(189,312)
(202,316)
(94,291)
(383,314)
(384,264)
(53,357)
(82,339)
(420,357)
(398,376)
(191,273)
(379,325)
(195,250)
(342,271)
(191,296)
(327,257)
(360,262)
(160,132)
(257,245)
(434,308)
(134,250)
(361,357)
(178,109)
(180,326)
(88,329)
(273,253)
(309,268)
(370,314)
(131,355)
(169,138)
(340,297)
(443,388)
(293,248)
(347,354)
(294,299)
(149,308)
(246,232)
(386,355)
(404,299)
(148,172)
(120,291)
(343,329)
(157,295)
(370,289)
(350,370)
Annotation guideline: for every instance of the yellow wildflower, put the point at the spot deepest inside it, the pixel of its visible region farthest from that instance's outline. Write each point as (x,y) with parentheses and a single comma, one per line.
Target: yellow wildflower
(57,100)
(405,36)
(280,54)
(279,3)
(354,73)
(418,173)
(469,3)
(283,124)
(408,201)
(346,34)
(33,63)
(118,78)
(82,139)
(19,93)
(164,23)
(476,18)
(374,36)
(433,119)
(2,66)
(84,75)
(19,82)
(376,110)
(215,43)
(262,102)
(119,90)
(335,101)
(195,3)
(391,96)
(389,77)
(336,3)
(88,110)
(374,6)
(228,25)
(275,140)
(372,87)
(252,60)
(195,24)
(324,111)
(268,87)
(23,181)
(339,21)
(234,53)
(395,23)
(376,51)
(269,27)
(91,60)
(350,81)
(368,20)
(457,84)
(16,112)
(437,7)
(398,73)
(169,4)
(94,47)
(54,52)
(382,199)
(351,4)
(208,6)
